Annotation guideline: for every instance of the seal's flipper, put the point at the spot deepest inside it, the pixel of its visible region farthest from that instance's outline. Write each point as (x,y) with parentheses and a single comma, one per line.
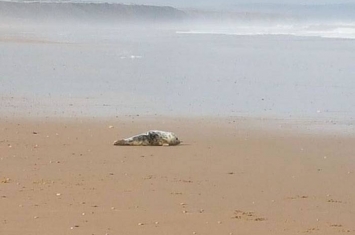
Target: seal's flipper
(121,143)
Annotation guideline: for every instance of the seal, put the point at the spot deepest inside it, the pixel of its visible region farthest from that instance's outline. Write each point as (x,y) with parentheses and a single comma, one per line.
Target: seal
(150,138)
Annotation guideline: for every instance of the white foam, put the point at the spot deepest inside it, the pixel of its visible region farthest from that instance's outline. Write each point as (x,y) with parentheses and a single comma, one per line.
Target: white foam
(132,57)
(339,30)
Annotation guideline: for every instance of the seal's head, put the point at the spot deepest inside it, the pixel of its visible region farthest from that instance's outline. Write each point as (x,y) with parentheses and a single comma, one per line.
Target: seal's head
(173,139)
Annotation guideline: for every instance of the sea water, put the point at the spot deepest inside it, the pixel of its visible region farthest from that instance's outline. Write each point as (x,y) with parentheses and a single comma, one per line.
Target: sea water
(297,71)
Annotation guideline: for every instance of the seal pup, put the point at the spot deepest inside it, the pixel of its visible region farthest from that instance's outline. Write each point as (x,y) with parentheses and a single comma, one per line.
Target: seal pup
(150,138)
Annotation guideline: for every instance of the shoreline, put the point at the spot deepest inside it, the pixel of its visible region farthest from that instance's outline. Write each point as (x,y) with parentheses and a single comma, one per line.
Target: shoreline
(282,125)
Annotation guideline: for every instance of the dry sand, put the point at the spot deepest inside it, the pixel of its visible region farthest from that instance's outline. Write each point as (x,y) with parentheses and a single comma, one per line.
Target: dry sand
(64,176)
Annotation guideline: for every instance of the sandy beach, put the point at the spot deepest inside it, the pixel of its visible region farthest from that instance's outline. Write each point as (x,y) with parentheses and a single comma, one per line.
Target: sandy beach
(64,176)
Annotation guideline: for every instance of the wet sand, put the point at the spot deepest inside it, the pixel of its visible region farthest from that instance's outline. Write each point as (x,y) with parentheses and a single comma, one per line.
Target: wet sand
(110,71)
(64,176)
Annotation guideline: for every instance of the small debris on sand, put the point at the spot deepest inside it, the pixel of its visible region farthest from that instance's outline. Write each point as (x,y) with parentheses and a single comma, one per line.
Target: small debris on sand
(336,225)
(334,201)
(5,180)
(247,215)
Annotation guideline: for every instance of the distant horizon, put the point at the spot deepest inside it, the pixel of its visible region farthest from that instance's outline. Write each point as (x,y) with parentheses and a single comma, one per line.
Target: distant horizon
(208,3)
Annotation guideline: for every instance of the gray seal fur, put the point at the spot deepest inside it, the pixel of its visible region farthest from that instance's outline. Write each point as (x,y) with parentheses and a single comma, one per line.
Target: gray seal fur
(150,138)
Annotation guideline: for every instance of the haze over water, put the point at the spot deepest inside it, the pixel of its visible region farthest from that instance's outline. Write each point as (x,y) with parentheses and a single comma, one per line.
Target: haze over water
(258,64)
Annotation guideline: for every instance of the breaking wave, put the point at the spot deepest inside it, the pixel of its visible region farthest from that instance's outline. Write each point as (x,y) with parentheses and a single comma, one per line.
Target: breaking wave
(325,30)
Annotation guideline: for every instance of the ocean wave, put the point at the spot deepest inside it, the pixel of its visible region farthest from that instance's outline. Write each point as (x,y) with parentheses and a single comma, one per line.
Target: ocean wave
(325,30)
